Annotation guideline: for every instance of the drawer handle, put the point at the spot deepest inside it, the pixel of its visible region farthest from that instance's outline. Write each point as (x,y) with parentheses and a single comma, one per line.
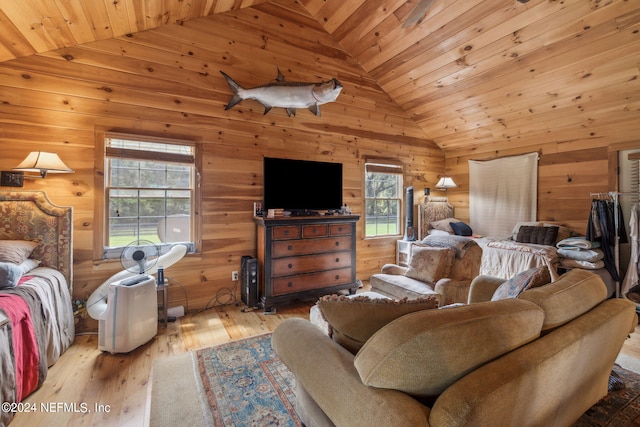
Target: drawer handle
(337,259)
(290,285)
(290,247)
(286,232)
(337,243)
(315,230)
(290,265)
(337,276)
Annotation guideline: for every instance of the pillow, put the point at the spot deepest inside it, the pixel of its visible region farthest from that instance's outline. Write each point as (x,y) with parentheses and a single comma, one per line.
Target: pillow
(28,264)
(10,275)
(519,283)
(16,251)
(514,232)
(429,264)
(353,320)
(563,232)
(537,235)
(425,352)
(461,229)
(444,224)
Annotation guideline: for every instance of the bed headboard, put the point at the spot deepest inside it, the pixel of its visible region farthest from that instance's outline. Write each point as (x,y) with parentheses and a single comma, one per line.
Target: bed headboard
(29,215)
(433,209)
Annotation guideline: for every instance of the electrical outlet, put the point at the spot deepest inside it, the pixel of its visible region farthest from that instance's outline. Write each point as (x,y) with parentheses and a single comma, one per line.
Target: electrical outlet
(234,276)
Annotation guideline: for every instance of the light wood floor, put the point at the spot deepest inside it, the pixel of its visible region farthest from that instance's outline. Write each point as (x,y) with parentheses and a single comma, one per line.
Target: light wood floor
(101,389)
(114,389)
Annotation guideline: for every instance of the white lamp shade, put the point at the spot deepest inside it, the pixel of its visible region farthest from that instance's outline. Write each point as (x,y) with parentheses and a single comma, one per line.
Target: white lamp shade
(446,182)
(43,163)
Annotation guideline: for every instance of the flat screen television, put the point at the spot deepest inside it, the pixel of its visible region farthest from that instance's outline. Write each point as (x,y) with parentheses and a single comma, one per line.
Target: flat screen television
(302,187)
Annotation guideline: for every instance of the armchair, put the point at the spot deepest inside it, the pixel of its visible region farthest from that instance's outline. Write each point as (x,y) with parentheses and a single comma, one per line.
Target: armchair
(440,264)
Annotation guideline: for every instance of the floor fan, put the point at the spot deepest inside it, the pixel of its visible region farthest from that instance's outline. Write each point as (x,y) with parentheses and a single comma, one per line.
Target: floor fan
(126,305)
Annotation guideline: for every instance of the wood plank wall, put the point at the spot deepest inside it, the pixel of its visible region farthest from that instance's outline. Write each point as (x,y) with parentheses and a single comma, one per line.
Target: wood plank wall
(167,82)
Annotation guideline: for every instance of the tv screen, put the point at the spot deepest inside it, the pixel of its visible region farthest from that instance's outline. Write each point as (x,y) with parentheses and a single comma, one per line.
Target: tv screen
(302,185)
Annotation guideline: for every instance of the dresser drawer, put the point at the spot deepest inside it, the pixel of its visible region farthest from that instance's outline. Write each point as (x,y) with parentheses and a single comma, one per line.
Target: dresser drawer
(315,230)
(340,229)
(310,246)
(310,263)
(285,232)
(324,279)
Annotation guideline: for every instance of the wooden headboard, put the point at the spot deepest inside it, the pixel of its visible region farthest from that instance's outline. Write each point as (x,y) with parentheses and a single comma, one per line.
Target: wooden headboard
(29,215)
(433,209)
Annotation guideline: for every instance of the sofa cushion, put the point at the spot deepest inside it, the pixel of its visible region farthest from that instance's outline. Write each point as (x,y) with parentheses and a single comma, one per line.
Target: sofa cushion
(352,320)
(429,264)
(572,295)
(527,279)
(423,353)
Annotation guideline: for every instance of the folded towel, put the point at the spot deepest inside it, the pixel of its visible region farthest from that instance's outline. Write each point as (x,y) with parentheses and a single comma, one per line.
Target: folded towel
(579,254)
(577,242)
(572,263)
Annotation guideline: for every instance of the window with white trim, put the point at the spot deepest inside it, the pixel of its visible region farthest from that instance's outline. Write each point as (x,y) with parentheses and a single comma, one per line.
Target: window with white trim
(383,199)
(149,190)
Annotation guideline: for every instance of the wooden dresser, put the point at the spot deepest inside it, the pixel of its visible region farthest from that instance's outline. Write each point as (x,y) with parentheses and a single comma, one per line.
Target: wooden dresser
(304,257)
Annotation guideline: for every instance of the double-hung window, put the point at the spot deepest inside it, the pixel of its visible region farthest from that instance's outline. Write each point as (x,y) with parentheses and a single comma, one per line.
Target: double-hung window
(149,192)
(383,199)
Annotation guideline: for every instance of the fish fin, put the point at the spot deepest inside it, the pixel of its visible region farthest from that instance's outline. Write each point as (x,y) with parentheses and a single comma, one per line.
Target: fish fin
(291,112)
(280,77)
(266,110)
(234,100)
(234,87)
(315,109)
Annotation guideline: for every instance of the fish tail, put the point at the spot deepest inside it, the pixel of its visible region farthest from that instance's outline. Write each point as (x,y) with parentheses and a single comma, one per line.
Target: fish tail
(234,87)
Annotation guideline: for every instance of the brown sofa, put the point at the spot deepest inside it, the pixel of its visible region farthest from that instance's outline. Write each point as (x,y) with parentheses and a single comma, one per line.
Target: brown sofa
(541,359)
(438,265)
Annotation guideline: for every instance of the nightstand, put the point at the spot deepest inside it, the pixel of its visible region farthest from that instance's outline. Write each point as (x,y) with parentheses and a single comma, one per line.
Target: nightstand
(403,251)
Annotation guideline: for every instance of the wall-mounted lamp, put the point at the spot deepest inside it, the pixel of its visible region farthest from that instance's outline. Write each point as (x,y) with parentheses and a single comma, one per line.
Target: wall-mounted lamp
(445,183)
(42,163)
(427,191)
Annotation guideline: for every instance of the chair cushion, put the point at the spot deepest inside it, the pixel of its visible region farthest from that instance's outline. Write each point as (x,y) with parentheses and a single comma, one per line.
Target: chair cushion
(352,320)
(429,264)
(527,279)
(423,353)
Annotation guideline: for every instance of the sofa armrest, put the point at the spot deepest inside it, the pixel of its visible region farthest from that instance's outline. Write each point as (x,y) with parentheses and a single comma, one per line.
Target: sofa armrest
(326,372)
(393,269)
(483,287)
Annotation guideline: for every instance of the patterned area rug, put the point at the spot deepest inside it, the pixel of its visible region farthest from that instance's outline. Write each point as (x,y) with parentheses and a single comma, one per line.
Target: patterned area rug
(243,383)
(618,408)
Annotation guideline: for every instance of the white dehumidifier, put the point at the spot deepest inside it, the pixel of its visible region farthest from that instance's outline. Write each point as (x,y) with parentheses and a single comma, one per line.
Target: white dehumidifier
(131,316)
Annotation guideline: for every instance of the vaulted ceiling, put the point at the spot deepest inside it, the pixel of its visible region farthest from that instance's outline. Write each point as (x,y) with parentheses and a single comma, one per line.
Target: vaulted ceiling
(469,72)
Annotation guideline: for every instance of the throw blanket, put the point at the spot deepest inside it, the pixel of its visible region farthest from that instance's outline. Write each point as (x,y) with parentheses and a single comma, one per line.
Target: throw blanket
(25,346)
(460,243)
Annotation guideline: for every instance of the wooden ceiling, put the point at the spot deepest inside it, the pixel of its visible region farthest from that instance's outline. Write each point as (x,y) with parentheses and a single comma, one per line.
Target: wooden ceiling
(471,73)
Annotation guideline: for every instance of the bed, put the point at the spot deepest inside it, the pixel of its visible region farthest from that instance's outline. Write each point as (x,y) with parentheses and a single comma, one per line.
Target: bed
(36,313)
(502,256)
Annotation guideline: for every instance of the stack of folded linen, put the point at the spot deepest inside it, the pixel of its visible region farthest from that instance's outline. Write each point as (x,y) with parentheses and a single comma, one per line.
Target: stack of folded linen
(578,252)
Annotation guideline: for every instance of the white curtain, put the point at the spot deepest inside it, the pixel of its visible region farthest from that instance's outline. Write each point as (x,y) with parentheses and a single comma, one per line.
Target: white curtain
(502,192)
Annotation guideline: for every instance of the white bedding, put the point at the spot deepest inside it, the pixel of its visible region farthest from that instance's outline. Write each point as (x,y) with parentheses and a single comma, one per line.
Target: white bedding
(505,258)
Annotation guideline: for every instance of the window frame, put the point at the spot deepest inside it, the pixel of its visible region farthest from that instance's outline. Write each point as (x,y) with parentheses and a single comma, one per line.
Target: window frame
(389,167)
(100,250)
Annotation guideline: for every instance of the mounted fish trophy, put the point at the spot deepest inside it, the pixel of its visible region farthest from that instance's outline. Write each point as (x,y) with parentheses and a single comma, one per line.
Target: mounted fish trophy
(287,95)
